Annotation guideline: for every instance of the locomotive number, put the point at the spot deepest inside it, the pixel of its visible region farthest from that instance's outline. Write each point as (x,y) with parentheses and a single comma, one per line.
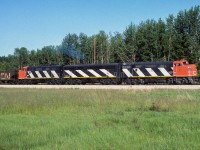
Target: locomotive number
(126,67)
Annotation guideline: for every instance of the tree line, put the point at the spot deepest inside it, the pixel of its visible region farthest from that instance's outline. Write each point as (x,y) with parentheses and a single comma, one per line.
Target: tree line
(177,37)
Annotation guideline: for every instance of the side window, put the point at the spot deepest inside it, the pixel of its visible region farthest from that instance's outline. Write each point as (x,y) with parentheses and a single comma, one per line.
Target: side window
(24,69)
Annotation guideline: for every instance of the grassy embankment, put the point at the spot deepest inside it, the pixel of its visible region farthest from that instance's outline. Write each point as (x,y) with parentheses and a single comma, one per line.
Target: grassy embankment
(99,119)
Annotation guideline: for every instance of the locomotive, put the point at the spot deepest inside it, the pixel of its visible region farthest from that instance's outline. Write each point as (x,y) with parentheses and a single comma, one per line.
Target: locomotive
(165,72)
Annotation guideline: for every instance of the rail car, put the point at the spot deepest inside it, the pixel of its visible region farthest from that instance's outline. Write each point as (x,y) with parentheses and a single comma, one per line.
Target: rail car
(8,77)
(166,72)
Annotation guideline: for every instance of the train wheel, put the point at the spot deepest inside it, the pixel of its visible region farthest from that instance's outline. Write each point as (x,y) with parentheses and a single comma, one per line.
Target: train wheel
(58,81)
(133,81)
(71,81)
(128,81)
(78,81)
(169,81)
(67,81)
(108,81)
(184,81)
(114,81)
(17,82)
(62,81)
(141,81)
(105,81)
(28,82)
(101,81)
(20,82)
(52,82)
(191,81)
(49,82)
(178,82)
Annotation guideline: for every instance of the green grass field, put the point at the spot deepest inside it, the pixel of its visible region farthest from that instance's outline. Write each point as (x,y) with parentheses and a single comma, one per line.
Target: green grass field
(99,119)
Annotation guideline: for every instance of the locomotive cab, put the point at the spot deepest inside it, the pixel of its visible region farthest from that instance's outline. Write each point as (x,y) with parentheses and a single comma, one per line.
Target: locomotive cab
(22,73)
(182,68)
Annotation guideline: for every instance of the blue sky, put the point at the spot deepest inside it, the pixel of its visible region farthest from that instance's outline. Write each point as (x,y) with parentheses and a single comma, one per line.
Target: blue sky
(37,23)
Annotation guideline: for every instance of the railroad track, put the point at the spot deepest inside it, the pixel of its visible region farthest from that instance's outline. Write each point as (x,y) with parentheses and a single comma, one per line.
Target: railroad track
(107,87)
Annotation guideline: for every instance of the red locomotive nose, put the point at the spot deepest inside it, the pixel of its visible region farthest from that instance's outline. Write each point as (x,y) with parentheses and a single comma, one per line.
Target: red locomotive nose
(193,69)
(183,69)
(22,73)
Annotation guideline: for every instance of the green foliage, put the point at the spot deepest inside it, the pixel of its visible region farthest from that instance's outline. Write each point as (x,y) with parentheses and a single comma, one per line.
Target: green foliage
(22,56)
(117,46)
(130,43)
(99,119)
(102,47)
(177,37)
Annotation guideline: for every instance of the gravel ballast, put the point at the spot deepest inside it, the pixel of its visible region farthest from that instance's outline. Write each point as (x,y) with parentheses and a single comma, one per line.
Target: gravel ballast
(112,87)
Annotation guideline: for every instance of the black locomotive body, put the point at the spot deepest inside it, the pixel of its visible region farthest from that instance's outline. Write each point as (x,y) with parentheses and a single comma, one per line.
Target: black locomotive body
(50,74)
(92,73)
(147,72)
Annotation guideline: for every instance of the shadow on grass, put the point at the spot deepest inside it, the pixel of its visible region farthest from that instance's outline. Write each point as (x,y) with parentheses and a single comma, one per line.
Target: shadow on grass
(158,108)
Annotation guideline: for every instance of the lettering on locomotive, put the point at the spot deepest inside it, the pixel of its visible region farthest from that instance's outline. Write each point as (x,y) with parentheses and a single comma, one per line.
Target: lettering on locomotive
(5,75)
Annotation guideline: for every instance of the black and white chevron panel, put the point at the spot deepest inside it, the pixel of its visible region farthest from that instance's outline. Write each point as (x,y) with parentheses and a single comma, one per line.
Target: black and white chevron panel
(89,73)
(147,70)
(34,74)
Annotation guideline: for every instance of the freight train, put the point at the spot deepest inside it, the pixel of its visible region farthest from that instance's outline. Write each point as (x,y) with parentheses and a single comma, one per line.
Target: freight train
(165,72)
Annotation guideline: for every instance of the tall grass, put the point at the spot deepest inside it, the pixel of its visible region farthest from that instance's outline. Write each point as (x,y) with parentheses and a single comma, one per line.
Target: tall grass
(99,119)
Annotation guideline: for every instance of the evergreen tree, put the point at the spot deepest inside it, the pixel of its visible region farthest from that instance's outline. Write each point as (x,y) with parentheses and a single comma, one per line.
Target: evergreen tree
(117,46)
(102,48)
(22,55)
(130,43)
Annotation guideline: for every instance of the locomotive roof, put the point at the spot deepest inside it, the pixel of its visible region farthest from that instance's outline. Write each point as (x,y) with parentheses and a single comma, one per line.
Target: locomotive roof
(44,66)
(112,64)
(149,63)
